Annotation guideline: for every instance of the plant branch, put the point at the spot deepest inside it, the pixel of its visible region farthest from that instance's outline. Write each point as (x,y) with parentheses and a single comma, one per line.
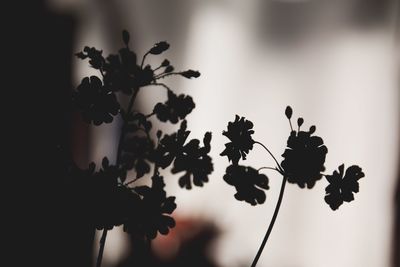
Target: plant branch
(270,168)
(272,155)
(163,75)
(271,224)
(119,152)
(143,59)
(161,84)
(101,250)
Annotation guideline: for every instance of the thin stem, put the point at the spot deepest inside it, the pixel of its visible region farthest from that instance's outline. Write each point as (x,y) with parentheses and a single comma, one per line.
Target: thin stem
(101,250)
(130,182)
(163,75)
(290,123)
(143,59)
(271,224)
(151,114)
(132,100)
(161,84)
(270,168)
(119,152)
(272,155)
(122,135)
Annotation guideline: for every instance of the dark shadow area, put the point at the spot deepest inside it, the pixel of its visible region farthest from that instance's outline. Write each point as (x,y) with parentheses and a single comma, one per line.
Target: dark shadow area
(188,244)
(50,231)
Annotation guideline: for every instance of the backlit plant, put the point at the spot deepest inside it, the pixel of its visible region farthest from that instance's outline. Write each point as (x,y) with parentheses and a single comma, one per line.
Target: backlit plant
(111,194)
(302,164)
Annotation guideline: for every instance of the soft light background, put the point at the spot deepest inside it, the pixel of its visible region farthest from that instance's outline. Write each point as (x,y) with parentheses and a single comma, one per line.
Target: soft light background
(335,62)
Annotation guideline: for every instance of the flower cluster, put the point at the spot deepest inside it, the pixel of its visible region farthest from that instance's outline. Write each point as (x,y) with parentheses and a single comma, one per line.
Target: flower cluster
(303,164)
(110,195)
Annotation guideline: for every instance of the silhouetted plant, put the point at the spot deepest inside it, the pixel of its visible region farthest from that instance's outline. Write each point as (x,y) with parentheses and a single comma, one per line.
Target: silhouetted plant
(110,195)
(303,165)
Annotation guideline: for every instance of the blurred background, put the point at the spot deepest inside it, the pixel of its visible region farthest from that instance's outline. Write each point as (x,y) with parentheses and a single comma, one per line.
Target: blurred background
(335,62)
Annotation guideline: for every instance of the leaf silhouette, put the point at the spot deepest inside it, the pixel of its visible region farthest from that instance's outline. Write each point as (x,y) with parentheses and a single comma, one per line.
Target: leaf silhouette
(342,185)
(248,182)
(96,102)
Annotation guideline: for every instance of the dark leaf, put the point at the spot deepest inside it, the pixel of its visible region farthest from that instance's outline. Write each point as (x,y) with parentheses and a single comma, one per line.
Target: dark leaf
(152,215)
(342,185)
(194,161)
(248,182)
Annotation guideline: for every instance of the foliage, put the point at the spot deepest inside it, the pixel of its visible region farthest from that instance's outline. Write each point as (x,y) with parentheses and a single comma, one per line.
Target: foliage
(111,196)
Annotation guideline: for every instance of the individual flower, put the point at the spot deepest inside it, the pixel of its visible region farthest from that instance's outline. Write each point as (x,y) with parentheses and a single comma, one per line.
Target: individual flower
(137,151)
(195,162)
(121,72)
(239,132)
(175,108)
(304,158)
(96,102)
(96,59)
(152,214)
(170,146)
(342,185)
(249,183)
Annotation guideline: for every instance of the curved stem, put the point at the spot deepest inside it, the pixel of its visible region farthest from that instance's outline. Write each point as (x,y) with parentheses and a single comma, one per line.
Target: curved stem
(272,155)
(270,168)
(119,152)
(163,75)
(290,123)
(271,224)
(161,84)
(101,250)
(143,59)
(122,135)
(132,100)
(151,114)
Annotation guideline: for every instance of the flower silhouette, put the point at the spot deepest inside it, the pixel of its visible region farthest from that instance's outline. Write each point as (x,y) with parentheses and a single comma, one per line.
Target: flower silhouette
(239,132)
(194,160)
(248,183)
(304,158)
(95,101)
(96,59)
(121,72)
(342,185)
(136,152)
(175,108)
(170,146)
(151,215)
